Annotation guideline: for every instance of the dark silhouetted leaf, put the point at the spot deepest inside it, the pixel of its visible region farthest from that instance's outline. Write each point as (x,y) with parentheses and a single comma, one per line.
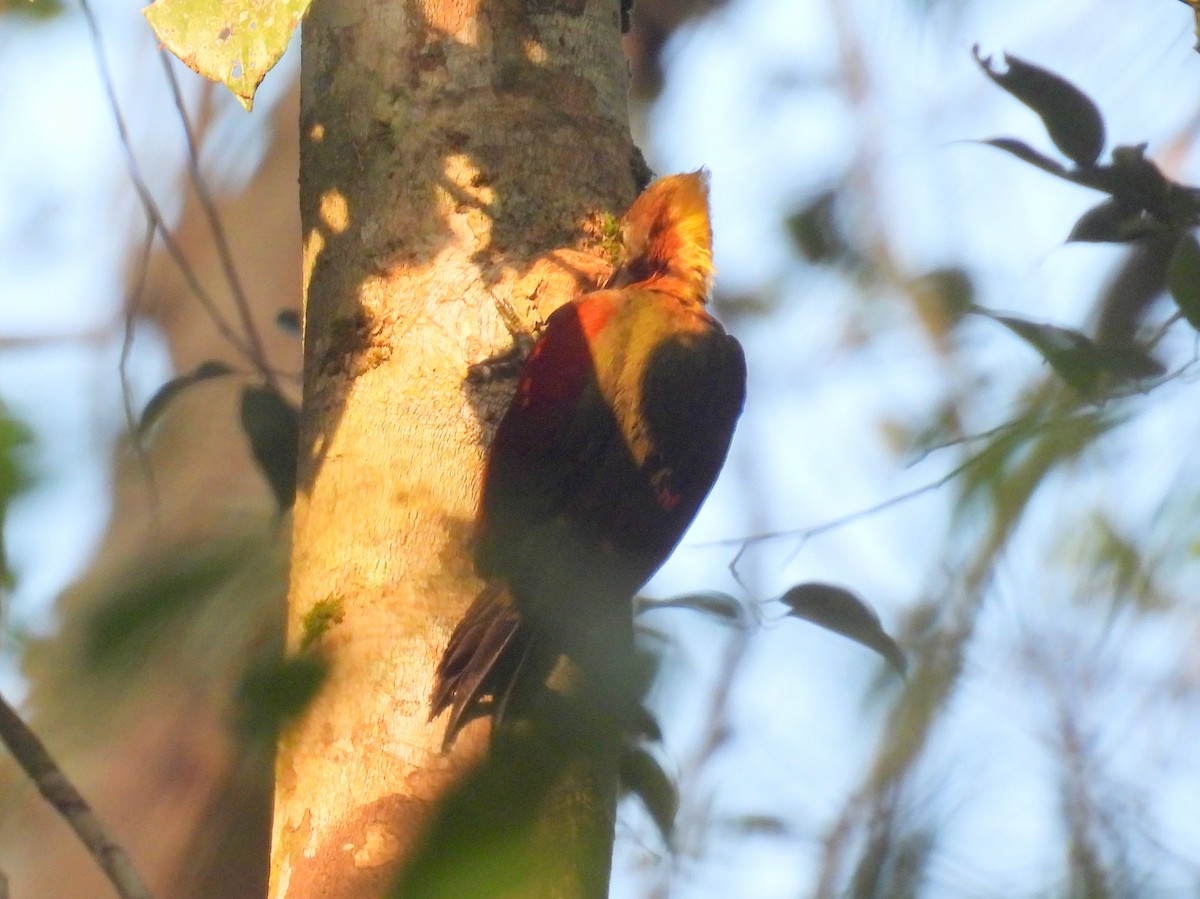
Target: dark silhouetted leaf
(162,398)
(718,605)
(839,610)
(644,725)
(1026,153)
(1137,180)
(270,697)
(1071,118)
(643,776)
(1113,221)
(1075,357)
(289,320)
(272,425)
(1128,362)
(1183,279)
(1072,354)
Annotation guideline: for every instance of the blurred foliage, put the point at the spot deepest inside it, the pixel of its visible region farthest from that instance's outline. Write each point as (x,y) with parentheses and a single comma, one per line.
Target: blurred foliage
(14,444)
(38,10)
(152,603)
(278,690)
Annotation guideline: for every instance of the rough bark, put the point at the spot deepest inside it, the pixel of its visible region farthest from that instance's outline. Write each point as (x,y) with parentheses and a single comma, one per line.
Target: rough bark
(444,146)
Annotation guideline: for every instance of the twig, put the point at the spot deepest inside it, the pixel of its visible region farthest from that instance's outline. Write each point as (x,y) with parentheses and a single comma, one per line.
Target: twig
(30,753)
(218,231)
(132,306)
(805,534)
(147,199)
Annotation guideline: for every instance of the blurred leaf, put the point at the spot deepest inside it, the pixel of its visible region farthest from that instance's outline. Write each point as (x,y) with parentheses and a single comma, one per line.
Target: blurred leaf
(163,396)
(952,286)
(941,296)
(1113,221)
(1183,279)
(271,696)
(1129,362)
(838,610)
(1072,354)
(760,825)
(234,42)
(14,438)
(1116,568)
(1071,118)
(37,10)
(817,234)
(272,425)
(1005,473)
(289,321)
(484,837)
(644,777)
(1195,5)
(718,605)
(122,627)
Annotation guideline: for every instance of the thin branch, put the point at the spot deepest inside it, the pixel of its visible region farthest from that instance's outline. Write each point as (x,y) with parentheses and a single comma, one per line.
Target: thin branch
(132,307)
(218,231)
(805,534)
(1011,425)
(30,753)
(147,199)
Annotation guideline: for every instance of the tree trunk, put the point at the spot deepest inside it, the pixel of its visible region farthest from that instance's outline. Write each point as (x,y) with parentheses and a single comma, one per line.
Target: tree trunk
(444,146)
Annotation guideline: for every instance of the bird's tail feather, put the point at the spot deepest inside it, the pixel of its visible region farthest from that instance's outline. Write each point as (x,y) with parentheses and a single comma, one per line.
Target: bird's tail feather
(485,654)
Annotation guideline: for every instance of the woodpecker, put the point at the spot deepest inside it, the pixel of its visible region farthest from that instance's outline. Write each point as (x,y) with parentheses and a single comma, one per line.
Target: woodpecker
(622,418)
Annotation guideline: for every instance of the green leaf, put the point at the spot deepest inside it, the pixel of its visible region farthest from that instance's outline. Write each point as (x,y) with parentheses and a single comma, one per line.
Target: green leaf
(272,425)
(1183,279)
(234,43)
(14,438)
(838,610)
(1071,118)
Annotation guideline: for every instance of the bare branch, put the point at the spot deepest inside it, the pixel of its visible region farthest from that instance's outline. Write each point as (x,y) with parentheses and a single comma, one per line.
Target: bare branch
(147,199)
(218,231)
(31,754)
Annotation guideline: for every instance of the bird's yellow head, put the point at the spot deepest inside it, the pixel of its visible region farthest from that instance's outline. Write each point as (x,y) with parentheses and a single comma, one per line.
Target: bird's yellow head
(666,233)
